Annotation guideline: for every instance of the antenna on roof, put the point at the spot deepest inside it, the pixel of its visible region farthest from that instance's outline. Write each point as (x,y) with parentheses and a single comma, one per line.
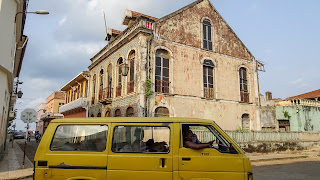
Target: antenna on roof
(105,22)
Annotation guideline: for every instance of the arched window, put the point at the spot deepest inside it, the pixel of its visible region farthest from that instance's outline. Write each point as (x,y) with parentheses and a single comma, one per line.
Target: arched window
(161,112)
(119,80)
(107,113)
(99,114)
(101,84)
(208,68)
(92,115)
(244,94)
(117,113)
(109,81)
(93,88)
(207,40)
(245,122)
(131,74)
(162,71)
(130,112)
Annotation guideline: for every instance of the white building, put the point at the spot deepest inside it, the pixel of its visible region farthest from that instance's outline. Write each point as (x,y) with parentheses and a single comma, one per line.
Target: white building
(12,47)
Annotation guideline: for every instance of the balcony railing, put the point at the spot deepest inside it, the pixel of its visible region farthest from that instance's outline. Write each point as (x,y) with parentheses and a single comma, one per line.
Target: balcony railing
(130,87)
(106,95)
(244,96)
(162,86)
(118,90)
(208,93)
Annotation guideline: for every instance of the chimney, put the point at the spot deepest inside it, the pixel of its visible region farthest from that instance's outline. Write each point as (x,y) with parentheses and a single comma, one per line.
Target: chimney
(268,96)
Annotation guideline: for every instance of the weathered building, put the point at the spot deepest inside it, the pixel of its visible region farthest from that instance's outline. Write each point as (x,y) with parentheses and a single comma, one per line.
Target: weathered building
(76,102)
(12,47)
(53,102)
(40,112)
(299,113)
(189,63)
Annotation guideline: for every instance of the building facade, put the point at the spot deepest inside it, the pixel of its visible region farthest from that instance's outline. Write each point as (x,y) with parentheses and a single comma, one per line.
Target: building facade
(40,112)
(76,101)
(13,44)
(299,113)
(53,102)
(189,63)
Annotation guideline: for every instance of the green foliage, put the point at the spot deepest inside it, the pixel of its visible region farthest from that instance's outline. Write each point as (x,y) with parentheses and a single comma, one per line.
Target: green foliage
(148,87)
(286,115)
(155,103)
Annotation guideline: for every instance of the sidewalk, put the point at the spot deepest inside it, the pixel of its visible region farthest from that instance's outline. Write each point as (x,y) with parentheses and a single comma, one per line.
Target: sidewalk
(11,163)
(273,157)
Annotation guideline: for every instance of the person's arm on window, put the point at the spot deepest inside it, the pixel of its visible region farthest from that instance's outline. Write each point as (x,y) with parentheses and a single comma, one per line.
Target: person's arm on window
(193,145)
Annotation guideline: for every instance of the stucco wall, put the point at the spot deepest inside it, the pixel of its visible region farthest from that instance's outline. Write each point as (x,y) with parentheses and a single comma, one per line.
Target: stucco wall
(268,118)
(7,35)
(186,70)
(302,118)
(227,115)
(186,27)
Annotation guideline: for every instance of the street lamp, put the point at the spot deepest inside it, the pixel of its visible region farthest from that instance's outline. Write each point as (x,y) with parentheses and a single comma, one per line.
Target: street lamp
(124,69)
(42,12)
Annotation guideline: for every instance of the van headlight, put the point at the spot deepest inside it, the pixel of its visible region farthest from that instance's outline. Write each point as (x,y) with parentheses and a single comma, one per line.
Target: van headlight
(250,176)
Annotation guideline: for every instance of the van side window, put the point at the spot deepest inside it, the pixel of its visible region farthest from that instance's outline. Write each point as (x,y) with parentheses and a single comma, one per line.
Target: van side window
(80,138)
(141,139)
(204,134)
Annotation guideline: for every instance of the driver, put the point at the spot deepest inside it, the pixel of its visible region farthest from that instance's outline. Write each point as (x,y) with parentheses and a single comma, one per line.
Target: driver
(190,144)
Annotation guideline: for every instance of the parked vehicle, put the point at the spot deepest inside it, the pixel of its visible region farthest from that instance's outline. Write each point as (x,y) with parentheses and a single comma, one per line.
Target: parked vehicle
(19,135)
(138,148)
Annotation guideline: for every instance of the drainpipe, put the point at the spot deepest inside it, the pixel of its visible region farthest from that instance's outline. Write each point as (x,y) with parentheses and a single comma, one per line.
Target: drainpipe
(149,40)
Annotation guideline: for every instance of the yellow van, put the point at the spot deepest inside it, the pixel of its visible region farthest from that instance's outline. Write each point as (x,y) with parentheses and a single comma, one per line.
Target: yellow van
(138,148)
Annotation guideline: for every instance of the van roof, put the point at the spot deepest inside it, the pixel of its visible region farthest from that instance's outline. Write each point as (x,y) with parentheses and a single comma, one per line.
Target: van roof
(131,120)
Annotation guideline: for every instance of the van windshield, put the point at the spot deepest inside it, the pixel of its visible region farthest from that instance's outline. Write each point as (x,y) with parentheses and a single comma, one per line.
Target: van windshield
(80,138)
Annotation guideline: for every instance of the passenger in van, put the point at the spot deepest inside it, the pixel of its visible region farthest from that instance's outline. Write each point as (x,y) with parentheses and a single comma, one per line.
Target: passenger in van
(138,145)
(188,142)
(185,129)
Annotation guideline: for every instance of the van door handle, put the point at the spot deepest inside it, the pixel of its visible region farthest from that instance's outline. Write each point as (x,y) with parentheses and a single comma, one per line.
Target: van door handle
(186,159)
(163,162)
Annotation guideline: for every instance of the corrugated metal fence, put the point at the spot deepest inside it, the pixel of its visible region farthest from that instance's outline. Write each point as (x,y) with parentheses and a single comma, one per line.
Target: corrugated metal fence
(262,136)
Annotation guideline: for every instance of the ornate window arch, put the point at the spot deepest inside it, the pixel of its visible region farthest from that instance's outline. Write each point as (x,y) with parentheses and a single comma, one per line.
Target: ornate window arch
(119,77)
(245,121)
(208,79)
(244,91)
(206,34)
(131,59)
(162,71)
(130,112)
(161,112)
(117,113)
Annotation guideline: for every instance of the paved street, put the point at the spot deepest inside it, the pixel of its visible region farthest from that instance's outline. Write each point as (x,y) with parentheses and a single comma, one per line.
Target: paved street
(291,169)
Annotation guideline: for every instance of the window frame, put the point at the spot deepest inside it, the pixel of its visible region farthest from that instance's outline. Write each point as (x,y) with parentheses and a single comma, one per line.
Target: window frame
(163,55)
(107,136)
(207,65)
(206,41)
(146,125)
(244,85)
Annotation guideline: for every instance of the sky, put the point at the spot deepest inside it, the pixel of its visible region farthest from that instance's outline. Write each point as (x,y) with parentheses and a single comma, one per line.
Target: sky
(281,34)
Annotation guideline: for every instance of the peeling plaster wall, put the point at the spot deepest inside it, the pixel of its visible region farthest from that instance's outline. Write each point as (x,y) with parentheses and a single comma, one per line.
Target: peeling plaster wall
(185,28)
(268,117)
(225,114)
(302,118)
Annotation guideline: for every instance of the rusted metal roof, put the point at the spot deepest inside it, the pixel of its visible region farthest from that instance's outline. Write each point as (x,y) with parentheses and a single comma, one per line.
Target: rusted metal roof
(309,95)
(137,15)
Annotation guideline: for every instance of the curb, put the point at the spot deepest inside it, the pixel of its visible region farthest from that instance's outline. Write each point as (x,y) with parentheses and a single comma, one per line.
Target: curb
(275,159)
(19,178)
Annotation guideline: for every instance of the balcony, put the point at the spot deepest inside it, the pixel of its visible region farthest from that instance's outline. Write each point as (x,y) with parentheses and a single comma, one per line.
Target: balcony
(106,95)
(244,96)
(79,103)
(130,87)
(118,90)
(162,86)
(208,93)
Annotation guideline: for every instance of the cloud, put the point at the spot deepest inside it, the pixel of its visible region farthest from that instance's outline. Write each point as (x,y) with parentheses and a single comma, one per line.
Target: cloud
(296,81)
(62,21)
